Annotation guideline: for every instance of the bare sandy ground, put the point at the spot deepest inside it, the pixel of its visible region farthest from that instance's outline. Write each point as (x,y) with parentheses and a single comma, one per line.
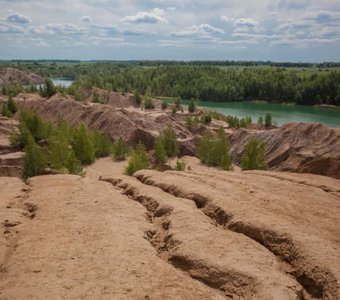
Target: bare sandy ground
(203,234)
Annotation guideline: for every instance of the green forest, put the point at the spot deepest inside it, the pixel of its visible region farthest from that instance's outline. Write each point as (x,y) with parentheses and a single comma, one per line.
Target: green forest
(314,84)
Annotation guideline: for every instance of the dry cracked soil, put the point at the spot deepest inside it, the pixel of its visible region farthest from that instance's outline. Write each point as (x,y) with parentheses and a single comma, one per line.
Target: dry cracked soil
(203,234)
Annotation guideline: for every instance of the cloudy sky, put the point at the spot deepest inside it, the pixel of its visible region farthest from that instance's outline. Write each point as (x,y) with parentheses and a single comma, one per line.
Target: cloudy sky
(280,30)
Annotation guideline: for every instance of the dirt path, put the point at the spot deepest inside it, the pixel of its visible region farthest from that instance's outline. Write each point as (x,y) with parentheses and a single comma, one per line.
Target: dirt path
(204,234)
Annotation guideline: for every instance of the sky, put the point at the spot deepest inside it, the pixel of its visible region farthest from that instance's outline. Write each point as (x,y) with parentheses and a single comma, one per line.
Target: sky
(277,30)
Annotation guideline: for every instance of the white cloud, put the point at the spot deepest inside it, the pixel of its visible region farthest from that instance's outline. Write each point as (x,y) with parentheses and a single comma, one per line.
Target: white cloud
(202,30)
(15,17)
(38,43)
(246,25)
(11,28)
(153,17)
(86,19)
(226,19)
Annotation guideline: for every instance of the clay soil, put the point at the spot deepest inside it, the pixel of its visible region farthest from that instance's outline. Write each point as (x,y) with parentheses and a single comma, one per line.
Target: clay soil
(203,234)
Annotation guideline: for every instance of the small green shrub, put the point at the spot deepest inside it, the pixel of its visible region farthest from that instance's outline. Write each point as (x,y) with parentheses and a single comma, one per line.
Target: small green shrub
(268,120)
(148,104)
(214,150)
(206,119)
(120,150)
(192,106)
(138,98)
(11,106)
(254,156)
(160,152)
(260,120)
(83,145)
(34,159)
(48,90)
(169,140)
(174,111)
(178,102)
(164,104)
(189,122)
(180,165)
(138,160)
(5,112)
(102,144)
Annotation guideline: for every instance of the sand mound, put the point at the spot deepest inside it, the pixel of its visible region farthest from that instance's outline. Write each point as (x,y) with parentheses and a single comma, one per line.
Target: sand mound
(204,234)
(13,76)
(296,147)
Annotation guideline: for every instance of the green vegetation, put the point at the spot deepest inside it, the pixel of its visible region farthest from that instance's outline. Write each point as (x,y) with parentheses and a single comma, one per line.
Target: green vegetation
(160,152)
(34,159)
(138,160)
(178,102)
(303,83)
(83,145)
(96,98)
(180,165)
(138,98)
(48,90)
(235,122)
(65,148)
(206,118)
(102,144)
(192,106)
(11,106)
(169,140)
(268,120)
(214,149)
(148,103)
(164,104)
(260,121)
(253,157)
(120,150)
(5,112)
(212,83)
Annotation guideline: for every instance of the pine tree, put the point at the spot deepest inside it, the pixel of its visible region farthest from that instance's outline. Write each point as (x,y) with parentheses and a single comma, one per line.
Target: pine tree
(260,121)
(102,144)
(214,150)
(138,160)
(268,120)
(160,152)
(34,159)
(178,102)
(50,89)
(138,98)
(164,104)
(169,141)
(254,156)
(119,150)
(192,106)
(148,104)
(83,145)
(11,106)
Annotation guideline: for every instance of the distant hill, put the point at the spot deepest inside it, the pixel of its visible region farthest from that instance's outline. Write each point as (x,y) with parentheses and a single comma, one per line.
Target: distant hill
(10,76)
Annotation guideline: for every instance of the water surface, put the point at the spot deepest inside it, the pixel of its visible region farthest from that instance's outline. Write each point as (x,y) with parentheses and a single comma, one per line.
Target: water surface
(282,113)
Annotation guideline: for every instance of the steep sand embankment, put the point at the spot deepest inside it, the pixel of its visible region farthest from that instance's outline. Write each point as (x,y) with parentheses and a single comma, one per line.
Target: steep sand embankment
(294,147)
(10,158)
(204,234)
(10,76)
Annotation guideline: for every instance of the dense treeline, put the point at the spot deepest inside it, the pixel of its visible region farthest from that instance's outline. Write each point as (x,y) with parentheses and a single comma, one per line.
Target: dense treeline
(208,83)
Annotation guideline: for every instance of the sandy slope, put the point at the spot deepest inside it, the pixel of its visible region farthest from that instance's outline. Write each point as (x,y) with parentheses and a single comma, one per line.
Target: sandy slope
(204,234)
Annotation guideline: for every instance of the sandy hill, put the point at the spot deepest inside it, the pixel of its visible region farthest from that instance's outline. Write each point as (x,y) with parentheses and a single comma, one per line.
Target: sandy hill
(294,147)
(204,234)
(10,76)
